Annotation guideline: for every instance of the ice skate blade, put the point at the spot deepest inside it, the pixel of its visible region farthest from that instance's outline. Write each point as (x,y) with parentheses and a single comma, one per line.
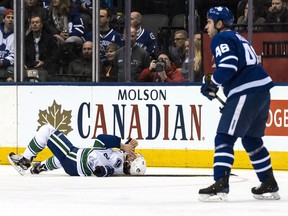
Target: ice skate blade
(17,168)
(220,197)
(267,196)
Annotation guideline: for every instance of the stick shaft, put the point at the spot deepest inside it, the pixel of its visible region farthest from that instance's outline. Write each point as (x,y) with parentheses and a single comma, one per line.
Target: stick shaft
(220,100)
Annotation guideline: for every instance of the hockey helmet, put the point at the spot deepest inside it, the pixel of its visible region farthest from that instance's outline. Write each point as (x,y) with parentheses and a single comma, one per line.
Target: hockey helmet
(135,167)
(221,13)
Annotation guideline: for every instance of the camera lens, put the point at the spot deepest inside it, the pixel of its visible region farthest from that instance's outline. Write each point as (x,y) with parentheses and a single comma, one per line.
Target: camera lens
(160,65)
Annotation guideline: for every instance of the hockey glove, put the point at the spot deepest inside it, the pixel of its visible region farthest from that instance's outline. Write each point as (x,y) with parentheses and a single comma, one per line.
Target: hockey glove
(208,88)
(103,171)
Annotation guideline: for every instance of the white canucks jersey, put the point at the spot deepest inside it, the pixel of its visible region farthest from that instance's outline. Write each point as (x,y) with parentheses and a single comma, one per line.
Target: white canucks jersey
(89,159)
(103,153)
(112,158)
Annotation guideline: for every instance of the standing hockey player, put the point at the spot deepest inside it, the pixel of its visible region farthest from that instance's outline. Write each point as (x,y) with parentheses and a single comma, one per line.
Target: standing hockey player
(246,86)
(101,160)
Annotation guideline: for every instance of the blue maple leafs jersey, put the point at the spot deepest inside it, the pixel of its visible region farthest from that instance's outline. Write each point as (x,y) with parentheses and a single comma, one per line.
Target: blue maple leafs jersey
(237,66)
(6,46)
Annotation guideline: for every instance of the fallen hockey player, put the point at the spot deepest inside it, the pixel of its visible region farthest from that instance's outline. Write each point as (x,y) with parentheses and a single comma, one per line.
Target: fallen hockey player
(101,160)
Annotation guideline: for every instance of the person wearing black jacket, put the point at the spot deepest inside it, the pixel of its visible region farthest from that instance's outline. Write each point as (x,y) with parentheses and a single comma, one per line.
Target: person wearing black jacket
(277,16)
(42,53)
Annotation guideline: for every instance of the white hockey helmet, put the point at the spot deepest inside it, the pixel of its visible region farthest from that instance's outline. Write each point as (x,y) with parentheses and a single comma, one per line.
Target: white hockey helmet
(137,166)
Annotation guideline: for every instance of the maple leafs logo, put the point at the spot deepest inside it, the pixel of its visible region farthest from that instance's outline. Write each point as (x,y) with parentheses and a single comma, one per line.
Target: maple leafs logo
(54,116)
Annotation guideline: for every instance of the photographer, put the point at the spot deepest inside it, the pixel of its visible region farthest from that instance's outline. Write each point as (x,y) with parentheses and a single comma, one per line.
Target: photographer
(161,70)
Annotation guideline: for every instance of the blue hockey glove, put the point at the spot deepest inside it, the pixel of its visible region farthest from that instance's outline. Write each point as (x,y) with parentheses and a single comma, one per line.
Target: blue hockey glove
(208,88)
(103,171)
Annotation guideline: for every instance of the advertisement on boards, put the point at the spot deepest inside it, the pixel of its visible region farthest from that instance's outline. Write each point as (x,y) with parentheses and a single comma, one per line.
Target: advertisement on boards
(164,117)
(175,117)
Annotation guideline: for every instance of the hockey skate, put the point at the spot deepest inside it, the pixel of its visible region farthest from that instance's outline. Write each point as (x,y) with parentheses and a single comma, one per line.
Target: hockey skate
(20,163)
(217,192)
(38,168)
(267,190)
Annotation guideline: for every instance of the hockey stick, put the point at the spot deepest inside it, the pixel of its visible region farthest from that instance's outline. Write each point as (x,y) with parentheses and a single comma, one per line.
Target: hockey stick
(220,100)
(208,79)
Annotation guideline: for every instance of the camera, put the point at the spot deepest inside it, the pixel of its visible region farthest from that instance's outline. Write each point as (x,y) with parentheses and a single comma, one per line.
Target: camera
(160,65)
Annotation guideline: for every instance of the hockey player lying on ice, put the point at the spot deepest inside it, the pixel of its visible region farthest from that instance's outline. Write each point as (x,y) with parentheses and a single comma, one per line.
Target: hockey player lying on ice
(101,160)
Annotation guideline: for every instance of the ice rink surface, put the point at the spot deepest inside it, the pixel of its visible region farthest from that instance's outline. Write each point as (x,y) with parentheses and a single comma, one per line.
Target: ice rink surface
(57,194)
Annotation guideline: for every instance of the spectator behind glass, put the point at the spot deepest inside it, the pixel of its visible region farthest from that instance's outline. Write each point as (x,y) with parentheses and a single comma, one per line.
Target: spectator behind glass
(108,71)
(64,22)
(7,46)
(162,70)
(243,20)
(140,59)
(278,13)
(81,68)
(33,8)
(42,53)
(198,73)
(177,51)
(145,38)
(107,35)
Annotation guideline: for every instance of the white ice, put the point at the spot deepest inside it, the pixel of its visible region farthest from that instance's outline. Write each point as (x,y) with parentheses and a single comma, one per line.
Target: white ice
(57,194)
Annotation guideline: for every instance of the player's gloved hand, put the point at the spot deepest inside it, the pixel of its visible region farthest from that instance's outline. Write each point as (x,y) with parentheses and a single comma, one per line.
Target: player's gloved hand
(208,88)
(103,171)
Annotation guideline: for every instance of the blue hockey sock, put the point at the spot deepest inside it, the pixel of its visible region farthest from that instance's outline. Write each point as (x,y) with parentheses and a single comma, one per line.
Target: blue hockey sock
(259,156)
(224,155)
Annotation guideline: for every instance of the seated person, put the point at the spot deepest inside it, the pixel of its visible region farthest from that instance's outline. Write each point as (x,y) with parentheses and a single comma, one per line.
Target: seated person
(42,53)
(198,73)
(177,51)
(81,69)
(243,20)
(140,59)
(108,72)
(145,38)
(107,34)
(64,22)
(7,46)
(278,14)
(32,7)
(162,70)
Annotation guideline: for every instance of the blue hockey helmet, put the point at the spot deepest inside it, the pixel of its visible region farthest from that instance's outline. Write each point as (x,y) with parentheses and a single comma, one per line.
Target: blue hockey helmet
(221,13)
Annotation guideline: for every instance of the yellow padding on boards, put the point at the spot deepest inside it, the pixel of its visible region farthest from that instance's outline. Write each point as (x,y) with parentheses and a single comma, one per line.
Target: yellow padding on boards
(176,158)
(204,158)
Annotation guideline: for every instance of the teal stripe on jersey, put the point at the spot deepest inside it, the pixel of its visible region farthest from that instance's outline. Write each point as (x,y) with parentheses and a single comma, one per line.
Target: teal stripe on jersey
(72,155)
(86,169)
(34,147)
(63,147)
(99,145)
(50,164)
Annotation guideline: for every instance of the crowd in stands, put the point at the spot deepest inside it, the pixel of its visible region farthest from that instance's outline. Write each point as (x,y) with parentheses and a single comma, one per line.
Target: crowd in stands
(59,42)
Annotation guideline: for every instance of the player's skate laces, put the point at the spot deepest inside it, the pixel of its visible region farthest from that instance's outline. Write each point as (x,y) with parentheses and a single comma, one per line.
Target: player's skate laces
(267,190)
(21,161)
(38,168)
(216,192)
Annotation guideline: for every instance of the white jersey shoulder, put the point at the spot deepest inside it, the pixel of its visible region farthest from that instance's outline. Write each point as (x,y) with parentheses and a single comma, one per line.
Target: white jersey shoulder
(113,158)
